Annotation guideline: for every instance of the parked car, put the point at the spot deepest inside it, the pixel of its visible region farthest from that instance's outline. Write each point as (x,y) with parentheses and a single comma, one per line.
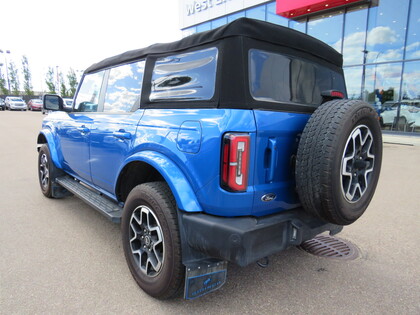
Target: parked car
(2,104)
(225,146)
(35,104)
(409,115)
(15,103)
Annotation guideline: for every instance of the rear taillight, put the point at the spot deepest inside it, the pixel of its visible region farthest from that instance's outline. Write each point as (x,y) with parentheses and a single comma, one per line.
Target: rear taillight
(235,161)
(332,94)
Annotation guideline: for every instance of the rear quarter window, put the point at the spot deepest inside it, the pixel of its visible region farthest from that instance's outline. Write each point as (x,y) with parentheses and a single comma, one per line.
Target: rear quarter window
(185,77)
(281,78)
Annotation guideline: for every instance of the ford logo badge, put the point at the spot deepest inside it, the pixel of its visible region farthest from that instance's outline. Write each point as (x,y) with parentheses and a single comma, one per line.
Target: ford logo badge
(268,197)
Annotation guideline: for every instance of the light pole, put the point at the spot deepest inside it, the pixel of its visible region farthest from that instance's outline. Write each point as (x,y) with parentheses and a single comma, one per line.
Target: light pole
(362,91)
(7,68)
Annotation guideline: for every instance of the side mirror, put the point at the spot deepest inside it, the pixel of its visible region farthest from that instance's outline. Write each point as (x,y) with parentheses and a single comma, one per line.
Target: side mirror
(52,102)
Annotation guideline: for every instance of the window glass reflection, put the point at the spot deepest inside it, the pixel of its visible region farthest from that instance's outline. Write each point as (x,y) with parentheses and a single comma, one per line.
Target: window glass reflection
(412,50)
(218,22)
(386,34)
(185,77)
(273,17)
(299,26)
(203,27)
(355,36)
(353,77)
(236,16)
(257,13)
(382,83)
(88,96)
(328,28)
(410,107)
(124,87)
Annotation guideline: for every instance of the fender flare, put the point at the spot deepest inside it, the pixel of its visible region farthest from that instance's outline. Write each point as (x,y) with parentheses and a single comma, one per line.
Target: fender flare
(49,140)
(178,183)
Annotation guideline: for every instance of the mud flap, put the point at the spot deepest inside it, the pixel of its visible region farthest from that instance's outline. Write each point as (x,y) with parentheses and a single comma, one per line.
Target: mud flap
(204,277)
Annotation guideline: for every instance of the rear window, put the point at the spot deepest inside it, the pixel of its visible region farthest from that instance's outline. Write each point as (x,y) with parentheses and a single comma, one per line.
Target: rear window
(281,78)
(185,77)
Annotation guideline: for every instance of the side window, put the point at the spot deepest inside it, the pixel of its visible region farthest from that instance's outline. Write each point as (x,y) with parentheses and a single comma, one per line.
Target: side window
(88,96)
(279,78)
(185,77)
(124,87)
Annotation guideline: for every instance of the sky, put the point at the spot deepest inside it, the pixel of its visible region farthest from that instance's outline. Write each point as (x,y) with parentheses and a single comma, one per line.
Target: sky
(77,33)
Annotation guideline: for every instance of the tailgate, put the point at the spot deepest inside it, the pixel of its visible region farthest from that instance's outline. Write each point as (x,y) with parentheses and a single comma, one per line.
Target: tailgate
(276,147)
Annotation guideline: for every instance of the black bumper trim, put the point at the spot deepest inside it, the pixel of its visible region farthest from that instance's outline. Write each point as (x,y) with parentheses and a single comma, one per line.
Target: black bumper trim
(243,240)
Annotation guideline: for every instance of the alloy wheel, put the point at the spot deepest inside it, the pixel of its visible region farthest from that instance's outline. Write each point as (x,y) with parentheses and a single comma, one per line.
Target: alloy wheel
(357,163)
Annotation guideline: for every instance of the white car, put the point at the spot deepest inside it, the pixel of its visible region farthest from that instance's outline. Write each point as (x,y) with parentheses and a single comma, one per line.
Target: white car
(409,115)
(15,103)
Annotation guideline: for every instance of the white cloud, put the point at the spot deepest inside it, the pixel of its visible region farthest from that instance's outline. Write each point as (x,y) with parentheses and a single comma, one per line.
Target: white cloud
(381,35)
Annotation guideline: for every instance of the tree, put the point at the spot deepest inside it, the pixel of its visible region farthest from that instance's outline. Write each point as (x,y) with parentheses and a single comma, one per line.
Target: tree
(71,77)
(63,88)
(3,87)
(49,80)
(14,79)
(27,77)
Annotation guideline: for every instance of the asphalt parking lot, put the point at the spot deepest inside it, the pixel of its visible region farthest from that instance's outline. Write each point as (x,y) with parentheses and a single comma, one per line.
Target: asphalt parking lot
(60,256)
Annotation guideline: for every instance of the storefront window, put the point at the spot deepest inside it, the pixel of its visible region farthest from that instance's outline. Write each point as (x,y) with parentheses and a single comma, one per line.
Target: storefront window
(355,35)
(382,83)
(412,50)
(353,77)
(272,17)
(218,22)
(257,13)
(235,16)
(328,28)
(386,33)
(203,27)
(299,26)
(411,95)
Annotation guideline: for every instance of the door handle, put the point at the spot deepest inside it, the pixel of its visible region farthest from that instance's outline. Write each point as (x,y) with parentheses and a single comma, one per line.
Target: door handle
(122,134)
(83,129)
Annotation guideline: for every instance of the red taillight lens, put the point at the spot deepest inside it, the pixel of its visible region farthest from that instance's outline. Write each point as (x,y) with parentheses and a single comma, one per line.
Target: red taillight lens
(235,161)
(337,94)
(332,94)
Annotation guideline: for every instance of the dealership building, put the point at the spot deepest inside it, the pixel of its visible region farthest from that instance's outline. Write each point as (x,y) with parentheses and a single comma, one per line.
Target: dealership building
(379,40)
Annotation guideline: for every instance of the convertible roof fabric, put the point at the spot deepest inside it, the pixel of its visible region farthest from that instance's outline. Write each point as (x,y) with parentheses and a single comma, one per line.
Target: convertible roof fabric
(245,27)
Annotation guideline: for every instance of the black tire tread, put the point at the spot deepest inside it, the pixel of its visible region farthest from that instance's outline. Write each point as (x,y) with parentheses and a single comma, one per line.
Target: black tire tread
(317,148)
(162,195)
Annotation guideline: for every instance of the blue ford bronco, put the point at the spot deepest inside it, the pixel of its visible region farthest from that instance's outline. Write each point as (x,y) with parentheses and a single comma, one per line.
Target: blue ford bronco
(226,146)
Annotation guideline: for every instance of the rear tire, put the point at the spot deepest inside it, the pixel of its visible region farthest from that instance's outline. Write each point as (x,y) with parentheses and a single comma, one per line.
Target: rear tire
(151,240)
(339,160)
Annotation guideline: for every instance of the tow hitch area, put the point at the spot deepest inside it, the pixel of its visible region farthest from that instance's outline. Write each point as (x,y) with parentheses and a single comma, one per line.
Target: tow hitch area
(204,277)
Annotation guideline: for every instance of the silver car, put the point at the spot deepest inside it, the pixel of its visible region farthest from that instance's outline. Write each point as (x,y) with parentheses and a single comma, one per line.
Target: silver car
(15,103)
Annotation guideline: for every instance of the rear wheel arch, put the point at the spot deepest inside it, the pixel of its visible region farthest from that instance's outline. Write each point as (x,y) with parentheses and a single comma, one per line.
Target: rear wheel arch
(134,174)
(150,166)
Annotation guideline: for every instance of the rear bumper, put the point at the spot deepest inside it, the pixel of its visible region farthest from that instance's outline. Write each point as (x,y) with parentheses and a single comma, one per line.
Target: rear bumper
(244,240)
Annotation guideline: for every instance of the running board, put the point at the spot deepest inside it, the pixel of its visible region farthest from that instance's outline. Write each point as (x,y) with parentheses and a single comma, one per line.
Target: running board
(105,206)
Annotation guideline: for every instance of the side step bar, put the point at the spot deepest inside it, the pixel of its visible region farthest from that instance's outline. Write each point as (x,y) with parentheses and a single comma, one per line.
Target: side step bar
(105,206)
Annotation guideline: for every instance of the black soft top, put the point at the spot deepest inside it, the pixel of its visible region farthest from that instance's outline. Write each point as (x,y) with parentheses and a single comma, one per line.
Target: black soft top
(245,27)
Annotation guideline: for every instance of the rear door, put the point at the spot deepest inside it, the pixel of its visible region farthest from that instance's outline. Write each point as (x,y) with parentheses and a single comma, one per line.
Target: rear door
(113,130)
(292,86)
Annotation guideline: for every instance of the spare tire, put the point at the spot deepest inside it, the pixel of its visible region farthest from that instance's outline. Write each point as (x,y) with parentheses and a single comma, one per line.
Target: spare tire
(339,160)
